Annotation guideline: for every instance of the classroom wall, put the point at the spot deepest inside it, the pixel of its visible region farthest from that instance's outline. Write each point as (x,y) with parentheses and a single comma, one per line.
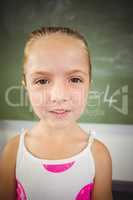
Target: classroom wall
(108,29)
(118,139)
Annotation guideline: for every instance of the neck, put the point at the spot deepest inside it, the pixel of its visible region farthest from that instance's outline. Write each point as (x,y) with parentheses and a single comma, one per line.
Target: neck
(57,133)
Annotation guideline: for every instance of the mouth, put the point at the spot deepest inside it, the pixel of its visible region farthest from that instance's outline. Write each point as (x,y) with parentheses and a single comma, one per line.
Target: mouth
(60,110)
(60,113)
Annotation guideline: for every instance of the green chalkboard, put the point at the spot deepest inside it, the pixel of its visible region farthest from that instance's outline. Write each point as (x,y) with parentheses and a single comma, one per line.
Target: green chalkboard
(109,32)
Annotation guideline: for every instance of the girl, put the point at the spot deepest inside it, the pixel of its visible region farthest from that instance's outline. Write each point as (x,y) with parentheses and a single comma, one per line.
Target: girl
(56,159)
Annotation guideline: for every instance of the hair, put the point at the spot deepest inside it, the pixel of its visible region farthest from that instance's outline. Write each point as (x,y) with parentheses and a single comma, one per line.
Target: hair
(43,32)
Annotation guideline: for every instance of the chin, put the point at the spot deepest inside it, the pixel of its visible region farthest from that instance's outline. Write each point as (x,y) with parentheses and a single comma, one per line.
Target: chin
(59,124)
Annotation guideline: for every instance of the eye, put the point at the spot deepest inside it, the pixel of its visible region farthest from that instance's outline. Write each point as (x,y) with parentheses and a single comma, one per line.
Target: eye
(46,81)
(41,81)
(76,80)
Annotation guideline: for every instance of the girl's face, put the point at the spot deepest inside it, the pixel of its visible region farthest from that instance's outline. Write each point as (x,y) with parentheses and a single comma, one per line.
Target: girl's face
(57,75)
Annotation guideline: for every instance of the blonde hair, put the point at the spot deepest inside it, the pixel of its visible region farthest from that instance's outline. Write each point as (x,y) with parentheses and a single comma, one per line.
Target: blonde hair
(43,32)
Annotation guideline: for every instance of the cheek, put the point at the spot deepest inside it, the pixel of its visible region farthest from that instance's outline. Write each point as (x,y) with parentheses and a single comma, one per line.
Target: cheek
(79,96)
(79,99)
(37,99)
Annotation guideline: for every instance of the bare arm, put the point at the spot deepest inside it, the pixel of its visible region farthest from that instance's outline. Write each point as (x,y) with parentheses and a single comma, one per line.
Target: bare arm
(103,180)
(7,170)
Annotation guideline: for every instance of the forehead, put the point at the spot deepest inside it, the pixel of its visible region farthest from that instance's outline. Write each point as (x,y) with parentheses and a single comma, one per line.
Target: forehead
(58,51)
(57,39)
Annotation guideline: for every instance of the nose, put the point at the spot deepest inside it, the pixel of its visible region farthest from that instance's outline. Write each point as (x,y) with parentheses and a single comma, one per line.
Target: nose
(58,92)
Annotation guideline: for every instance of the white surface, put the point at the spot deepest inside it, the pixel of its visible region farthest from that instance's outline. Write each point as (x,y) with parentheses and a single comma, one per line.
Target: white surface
(117,138)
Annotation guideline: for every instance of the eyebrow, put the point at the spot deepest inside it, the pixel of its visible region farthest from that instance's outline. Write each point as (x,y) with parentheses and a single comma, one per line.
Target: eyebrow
(49,73)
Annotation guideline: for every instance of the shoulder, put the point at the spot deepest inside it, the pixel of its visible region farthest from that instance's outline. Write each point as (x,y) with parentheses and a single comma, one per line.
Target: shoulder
(10,147)
(101,152)
(103,171)
(102,159)
(7,168)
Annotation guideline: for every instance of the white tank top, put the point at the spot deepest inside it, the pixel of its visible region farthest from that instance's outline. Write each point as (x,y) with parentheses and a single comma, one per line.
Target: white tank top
(65,179)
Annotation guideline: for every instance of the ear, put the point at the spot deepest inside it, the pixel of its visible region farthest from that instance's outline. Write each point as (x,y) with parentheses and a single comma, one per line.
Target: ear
(90,84)
(23,84)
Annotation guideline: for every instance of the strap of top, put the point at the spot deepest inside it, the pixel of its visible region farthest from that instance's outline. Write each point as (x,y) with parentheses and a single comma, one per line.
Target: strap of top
(21,142)
(92,134)
(20,148)
(22,133)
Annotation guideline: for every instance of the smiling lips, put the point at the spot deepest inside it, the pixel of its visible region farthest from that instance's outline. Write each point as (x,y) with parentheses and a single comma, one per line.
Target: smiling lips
(60,113)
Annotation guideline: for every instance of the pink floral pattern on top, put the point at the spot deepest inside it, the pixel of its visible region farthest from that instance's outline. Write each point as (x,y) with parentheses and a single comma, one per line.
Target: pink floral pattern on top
(85,192)
(56,168)
(21,195)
